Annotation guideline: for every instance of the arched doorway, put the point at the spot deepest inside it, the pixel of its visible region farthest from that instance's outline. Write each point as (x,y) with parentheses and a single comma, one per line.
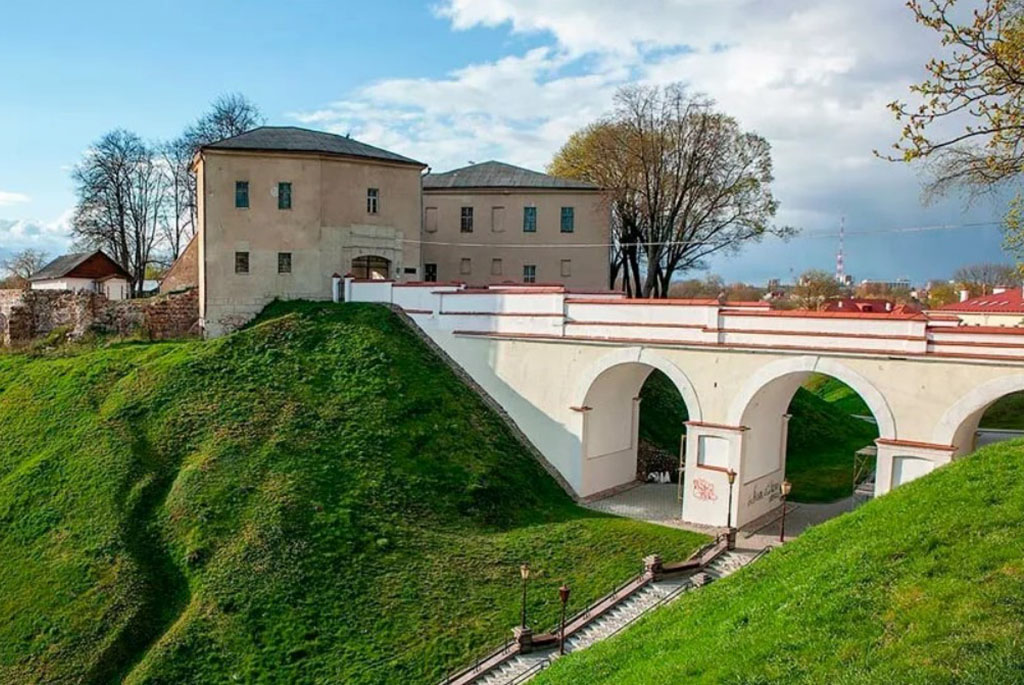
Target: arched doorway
(805,421)
(978,417)
(371,267)
(611,407)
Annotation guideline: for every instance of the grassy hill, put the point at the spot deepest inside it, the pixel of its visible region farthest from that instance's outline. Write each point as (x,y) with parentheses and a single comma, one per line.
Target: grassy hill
(314,499)
(838,394)
(822,433)
(924,585)
(1007,412)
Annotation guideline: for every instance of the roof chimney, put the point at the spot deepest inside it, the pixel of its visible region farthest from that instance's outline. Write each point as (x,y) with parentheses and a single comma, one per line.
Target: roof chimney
(888,306)
(999,290)
(965,295)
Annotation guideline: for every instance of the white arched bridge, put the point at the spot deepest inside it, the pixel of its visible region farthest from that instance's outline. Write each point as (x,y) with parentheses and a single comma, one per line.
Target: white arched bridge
(568,367)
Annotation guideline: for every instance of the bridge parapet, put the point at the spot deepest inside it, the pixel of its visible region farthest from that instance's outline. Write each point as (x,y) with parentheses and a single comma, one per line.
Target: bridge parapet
(554,311)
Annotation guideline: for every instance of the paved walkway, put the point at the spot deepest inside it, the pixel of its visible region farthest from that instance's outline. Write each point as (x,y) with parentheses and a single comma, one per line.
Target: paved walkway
(658,503)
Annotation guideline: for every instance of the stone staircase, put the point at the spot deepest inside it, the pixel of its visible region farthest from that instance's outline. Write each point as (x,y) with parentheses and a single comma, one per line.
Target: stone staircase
(523,667)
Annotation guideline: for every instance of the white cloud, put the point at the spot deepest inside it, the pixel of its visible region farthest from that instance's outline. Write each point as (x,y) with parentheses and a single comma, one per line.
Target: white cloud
(9,198)
(52,237)
(813,76)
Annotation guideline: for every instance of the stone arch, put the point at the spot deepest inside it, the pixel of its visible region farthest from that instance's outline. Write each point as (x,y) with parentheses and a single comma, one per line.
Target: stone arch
(639,355)
(607,398)
(808,364)
(958,423)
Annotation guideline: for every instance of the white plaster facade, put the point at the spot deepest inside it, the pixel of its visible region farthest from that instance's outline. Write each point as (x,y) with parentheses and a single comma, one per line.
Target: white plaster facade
(113,288)
(569,370)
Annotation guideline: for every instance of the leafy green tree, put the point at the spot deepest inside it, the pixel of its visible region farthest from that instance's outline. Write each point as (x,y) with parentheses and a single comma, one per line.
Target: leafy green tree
(815,288)
(967,120)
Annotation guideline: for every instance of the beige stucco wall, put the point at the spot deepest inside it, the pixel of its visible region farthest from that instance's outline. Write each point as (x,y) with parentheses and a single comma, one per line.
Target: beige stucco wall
(325,229)
(588,265)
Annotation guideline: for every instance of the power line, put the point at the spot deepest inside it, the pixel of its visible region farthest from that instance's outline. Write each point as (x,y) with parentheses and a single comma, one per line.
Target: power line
(669,243)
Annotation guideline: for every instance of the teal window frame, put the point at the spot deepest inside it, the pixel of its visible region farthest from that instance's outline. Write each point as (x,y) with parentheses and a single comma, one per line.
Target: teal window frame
(241,194)
(568,223)
(284,195)
(529,219)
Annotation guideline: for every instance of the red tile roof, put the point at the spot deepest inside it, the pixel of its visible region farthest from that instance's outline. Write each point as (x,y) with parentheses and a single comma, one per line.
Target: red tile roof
(1009,302)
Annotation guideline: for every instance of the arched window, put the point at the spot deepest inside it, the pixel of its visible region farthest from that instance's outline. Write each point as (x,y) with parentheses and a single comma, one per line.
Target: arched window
(371,266)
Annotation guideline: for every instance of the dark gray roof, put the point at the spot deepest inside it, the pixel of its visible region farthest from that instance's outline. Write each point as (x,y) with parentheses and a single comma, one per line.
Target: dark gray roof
(66,263)
(60,266)
(494,174)
(294,139)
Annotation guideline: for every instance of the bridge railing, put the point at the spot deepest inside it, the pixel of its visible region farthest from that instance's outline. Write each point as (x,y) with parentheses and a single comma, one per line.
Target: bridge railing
(554,311)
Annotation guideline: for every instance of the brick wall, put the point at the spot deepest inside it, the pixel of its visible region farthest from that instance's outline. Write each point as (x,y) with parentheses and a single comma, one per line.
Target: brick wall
(29,314)
(184,273)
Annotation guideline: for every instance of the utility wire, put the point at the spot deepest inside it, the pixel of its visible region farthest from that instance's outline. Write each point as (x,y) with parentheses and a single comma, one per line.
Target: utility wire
(823,234)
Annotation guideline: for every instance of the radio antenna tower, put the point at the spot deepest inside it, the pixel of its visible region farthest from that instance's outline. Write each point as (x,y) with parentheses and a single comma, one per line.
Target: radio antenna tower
(840,269)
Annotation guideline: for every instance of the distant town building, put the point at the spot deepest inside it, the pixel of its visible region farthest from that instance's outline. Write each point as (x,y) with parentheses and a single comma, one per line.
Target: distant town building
(93,272)
(899,283)
(1004,307)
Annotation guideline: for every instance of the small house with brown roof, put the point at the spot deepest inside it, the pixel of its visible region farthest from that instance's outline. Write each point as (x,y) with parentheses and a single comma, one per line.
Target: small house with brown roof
(93,272)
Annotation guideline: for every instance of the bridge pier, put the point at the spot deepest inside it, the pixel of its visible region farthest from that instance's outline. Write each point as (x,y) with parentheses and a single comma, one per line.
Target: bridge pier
(901,461)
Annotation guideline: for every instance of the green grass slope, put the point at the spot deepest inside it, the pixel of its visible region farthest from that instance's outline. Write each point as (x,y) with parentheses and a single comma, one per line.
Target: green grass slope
(924,585)
(314,499)
(820,448)
(838,394)
(1007,413)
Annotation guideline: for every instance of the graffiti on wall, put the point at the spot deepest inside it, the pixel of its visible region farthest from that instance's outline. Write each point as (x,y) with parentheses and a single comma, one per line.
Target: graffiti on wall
(704,490)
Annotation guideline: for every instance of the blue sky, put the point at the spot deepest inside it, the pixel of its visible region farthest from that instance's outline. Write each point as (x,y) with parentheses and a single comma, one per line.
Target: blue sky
(459,80)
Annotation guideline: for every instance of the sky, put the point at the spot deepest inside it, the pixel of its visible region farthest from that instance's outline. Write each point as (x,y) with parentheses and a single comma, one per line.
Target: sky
(451,81)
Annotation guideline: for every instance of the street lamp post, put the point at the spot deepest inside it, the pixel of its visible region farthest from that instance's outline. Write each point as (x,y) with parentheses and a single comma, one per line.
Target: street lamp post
(563,594)
(730,534)
(732,480)
(524,573)
(786,487)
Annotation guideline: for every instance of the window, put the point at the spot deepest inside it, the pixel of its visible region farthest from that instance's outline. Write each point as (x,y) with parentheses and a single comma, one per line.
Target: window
(467,220)
(430,220)
(566,267)
(495,267)
(529,219)
(430,272)
(284,262)
(241,262)
(497,219)
(529,273)
(284,195)
(242,194)
(568,219)
(372,196)
(465,266)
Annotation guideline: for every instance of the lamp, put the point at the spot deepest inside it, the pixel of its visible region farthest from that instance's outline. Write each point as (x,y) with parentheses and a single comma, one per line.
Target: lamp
(787,487)
(731,475)
(563,594)
(524,573)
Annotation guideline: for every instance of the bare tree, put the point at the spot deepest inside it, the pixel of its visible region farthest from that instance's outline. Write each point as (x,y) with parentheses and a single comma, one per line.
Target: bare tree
(229,115)
(686,182)
(980,279)
(181,206)
(121,195)
(20,266)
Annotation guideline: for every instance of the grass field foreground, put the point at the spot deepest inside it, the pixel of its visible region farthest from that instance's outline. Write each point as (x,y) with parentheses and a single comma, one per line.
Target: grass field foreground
(314,499)
(922,586)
